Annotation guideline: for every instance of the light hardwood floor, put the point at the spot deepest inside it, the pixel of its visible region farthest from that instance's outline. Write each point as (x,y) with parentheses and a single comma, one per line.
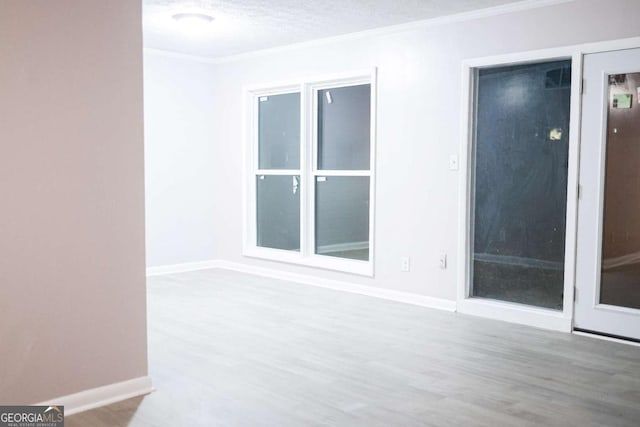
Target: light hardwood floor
(230,349)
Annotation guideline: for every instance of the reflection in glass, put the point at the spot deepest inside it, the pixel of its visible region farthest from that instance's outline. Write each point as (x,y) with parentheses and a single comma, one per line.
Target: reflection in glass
(278,212)
(620,279)
(279,131)
(520,183)
(342,216)
(344,128)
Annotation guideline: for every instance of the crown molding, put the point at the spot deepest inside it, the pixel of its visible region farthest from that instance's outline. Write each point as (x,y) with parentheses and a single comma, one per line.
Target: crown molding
(382,31)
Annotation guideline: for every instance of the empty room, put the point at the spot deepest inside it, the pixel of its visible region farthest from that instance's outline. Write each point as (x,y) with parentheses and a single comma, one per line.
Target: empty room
(333,213)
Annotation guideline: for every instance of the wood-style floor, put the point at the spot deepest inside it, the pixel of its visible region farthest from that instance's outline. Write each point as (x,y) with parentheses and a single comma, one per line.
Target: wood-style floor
(230,349)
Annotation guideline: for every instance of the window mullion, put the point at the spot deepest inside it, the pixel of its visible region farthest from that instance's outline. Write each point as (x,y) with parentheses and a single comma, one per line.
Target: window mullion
(304,176)
(309,144)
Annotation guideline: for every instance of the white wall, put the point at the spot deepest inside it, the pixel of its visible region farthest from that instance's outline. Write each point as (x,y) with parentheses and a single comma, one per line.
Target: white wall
(419,107)
(72,279)
(180,165)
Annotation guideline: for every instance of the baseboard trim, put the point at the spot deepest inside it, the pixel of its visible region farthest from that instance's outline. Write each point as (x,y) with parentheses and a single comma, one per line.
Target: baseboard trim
(181,268)
(388,294)
(101,396)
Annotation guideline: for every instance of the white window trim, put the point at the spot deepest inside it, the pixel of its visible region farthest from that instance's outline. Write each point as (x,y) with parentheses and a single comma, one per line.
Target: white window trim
(308,110)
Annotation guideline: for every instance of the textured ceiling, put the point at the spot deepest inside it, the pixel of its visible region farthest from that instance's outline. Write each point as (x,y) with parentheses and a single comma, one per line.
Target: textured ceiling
(247,25)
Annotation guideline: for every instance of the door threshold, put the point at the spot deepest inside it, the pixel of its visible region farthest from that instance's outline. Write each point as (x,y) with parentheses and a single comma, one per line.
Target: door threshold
(607,337)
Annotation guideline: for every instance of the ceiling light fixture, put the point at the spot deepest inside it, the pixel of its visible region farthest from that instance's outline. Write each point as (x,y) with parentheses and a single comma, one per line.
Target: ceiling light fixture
(196,22)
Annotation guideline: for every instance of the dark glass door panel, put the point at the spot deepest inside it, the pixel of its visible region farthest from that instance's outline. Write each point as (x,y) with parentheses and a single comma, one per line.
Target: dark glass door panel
(620,276)
(520,183)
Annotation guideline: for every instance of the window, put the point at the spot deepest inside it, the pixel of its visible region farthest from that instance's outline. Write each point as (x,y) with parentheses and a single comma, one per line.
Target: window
(278,174)
(310,163)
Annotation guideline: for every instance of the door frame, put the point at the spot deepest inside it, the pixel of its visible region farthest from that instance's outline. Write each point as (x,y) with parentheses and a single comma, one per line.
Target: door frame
(514,312)
(591,295)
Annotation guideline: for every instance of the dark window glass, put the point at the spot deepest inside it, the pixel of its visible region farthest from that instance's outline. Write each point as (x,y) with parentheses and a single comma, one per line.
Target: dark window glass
(278,212)
(342,216)
(344,128)
(279,131)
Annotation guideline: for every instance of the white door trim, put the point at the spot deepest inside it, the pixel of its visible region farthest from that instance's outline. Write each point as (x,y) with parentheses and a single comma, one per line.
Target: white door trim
(518,313)
(590,314)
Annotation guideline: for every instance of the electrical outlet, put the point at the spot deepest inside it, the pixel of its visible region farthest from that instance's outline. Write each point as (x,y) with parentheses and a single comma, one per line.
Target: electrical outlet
(443,261)
(405,264)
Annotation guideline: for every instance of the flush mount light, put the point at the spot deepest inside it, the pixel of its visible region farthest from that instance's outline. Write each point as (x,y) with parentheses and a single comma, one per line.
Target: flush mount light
(193,21)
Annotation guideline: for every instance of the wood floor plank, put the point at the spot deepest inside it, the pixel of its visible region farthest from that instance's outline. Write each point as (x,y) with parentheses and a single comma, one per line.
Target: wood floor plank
(231,349)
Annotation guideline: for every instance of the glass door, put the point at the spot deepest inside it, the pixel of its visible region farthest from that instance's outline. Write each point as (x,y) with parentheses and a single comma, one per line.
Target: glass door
(608,270)
(519,183)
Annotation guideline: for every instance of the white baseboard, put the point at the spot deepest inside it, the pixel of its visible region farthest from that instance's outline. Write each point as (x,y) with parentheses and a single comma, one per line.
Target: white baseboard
(388,294)
(101,396)
(181,268)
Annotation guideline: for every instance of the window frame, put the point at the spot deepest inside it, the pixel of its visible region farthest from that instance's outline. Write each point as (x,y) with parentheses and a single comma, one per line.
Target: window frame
(308,171)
